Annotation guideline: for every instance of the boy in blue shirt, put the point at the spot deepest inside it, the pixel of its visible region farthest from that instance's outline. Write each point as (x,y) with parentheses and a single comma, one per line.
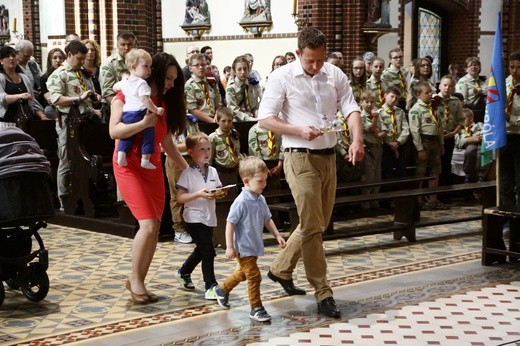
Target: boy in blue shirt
(247,217)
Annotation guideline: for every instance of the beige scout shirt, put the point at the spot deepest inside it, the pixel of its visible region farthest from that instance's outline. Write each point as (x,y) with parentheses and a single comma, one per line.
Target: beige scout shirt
(394,76)
(244,108)
(513,125)
(265,144)
(110,72)
(395,125)
(378,88)
(425,121)
(196,97)
(472,89)
(451,110)
(225,149)
(64,82)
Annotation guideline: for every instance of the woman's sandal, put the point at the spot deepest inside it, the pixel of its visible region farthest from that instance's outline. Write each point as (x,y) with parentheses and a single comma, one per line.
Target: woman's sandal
(138,298)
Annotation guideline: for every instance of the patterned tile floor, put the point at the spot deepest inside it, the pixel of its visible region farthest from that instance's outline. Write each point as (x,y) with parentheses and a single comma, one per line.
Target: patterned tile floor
(87,303)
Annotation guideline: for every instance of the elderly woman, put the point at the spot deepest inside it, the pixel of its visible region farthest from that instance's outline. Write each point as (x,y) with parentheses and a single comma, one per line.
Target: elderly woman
(15,87)
(472,86)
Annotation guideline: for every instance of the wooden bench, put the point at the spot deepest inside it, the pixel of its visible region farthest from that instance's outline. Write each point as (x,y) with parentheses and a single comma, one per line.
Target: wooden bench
(407,211)
(493,246)
(90,149)
(222,206)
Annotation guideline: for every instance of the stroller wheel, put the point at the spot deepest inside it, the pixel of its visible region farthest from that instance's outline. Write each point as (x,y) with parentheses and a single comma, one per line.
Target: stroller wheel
(13,284)
(2,293)
(35,283)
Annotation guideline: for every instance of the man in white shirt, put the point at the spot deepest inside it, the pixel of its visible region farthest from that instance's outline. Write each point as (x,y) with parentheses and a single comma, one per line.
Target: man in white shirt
(299,100)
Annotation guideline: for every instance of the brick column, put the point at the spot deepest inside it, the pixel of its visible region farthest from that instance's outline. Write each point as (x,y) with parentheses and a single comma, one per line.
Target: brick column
(31,26)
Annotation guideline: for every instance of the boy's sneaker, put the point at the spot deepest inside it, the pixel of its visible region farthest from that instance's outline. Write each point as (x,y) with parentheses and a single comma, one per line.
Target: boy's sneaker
(210,293)
(185,281)
(259,314)
(182,237)
(222,297)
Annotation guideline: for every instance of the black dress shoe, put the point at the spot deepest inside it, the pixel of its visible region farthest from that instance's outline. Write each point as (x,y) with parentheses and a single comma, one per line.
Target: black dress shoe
(287,285)
(329,308)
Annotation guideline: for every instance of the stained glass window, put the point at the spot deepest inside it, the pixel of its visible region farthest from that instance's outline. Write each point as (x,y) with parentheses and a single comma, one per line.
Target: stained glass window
(430,39)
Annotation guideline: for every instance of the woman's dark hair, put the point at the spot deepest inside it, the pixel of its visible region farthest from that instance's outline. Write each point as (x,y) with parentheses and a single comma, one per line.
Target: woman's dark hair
(174,98)
(8,51)
(363,79)
(50,68)
(418,69)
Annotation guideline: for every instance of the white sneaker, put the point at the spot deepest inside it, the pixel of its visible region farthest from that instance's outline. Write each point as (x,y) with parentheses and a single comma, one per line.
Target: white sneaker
(183,237)
(210,293)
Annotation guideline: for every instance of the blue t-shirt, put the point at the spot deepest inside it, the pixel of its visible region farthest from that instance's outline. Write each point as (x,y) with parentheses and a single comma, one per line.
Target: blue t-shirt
(249,213)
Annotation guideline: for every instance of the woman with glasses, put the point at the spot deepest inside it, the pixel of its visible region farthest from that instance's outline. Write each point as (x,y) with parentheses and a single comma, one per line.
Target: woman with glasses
(358,77)
(422,72)
(278,61)
(473,88)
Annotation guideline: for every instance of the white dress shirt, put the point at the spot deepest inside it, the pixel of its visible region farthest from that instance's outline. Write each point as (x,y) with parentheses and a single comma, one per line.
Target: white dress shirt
(303,100)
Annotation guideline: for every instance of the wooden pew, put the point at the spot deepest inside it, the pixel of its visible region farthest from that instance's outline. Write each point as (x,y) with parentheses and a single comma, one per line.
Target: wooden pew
(493,246)
(90,148)
(407,212)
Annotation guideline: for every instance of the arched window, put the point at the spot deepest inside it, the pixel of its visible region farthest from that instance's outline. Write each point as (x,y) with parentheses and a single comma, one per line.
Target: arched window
(429,40)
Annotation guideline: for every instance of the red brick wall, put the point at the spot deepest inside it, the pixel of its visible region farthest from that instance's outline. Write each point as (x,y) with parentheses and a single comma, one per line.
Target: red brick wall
(511,26)
(31,26)
(463,33)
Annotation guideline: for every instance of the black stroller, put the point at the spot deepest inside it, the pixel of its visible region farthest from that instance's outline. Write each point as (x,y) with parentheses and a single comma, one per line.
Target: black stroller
(25,204)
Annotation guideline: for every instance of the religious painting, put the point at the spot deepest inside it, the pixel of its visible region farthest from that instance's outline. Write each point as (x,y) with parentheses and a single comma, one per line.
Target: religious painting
(4,21)
(197,13)
(257,11)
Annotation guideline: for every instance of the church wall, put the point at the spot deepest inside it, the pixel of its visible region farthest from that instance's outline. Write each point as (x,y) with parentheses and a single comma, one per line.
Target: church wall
(227,38)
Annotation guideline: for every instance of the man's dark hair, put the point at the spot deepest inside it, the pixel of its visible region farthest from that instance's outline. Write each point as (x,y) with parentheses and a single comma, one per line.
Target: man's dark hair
(311,38)
(76,47)
(126,35)
(204,49)
(514,56)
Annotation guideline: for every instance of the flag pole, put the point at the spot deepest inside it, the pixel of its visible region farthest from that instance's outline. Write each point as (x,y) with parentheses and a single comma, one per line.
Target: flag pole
(497,176)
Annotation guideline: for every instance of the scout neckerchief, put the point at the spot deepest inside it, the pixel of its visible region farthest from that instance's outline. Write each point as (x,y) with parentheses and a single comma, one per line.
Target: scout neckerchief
(391,111)
(346,131)
(245,97)
(81,81)
(510,98)
(479,88)
(446,111)
(432,114)
(401,82)
(271,143)
(468,131)
(204,88)
(231,147)
(380,92)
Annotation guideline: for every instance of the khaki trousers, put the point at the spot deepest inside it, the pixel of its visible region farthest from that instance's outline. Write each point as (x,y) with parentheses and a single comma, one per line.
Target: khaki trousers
(312,179)
(247,270)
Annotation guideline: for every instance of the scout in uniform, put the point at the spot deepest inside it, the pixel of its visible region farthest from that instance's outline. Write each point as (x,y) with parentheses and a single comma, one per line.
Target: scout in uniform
(395,75)
(202,96)
(426,127)
(68,84)
(225,147)
(395,144)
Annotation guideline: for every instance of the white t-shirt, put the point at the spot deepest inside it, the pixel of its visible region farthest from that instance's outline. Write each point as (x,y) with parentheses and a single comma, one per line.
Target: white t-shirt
(133,88)
(199,210)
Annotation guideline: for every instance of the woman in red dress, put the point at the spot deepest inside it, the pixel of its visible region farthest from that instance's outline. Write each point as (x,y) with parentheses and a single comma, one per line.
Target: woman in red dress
(143,189)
